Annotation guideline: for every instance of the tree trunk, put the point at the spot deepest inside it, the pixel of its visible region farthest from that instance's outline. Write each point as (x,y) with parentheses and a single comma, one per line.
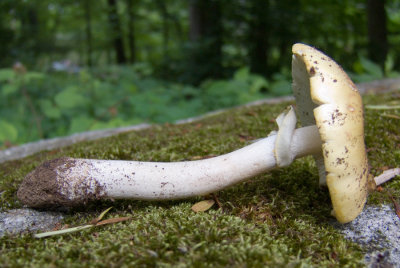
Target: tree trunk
(88,32)
(259,36)
(165,31)
(205,33)
(29,39)
(194,21)
(131,31)
(116,31)
(178,27)
(377,31)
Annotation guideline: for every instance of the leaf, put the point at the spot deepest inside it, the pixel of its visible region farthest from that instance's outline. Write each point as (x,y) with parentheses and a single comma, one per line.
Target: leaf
(33,75)
(63,231)
(7,132)
(215,197)
(50,110)
(7,74)
(242,74)
(281,87)
(203,205)
(371,68)
(113,220)
(96,220)
(81,123)
(396,205)
(69,98)
(9,89)
(397,208)
(389,63)
(258,82)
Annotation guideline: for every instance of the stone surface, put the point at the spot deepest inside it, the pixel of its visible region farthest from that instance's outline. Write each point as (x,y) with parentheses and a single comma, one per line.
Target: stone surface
(377,229)
(50,144)
(17,221)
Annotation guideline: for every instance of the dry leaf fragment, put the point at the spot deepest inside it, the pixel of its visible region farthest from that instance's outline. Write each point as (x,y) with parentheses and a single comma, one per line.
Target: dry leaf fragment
(396,205)
(57,227)
(113,220)
(199,157)
(214,196)
(244,137)
(251,113)
(203,205)
(96,220)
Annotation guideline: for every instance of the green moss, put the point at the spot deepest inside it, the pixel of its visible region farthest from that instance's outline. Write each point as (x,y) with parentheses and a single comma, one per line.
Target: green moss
(382,138)
(277,219)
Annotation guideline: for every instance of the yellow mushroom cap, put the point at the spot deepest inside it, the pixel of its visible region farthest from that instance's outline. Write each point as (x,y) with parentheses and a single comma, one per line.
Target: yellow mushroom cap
(326,96)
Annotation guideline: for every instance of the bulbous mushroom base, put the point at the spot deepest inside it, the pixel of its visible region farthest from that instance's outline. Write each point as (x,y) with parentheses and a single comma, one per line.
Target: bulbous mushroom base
(44,188)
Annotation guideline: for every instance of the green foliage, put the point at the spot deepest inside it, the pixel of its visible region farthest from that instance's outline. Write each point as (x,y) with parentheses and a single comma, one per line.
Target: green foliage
(367,70)
(70,98)
(243,87)
(8,132)
(6,74)
(40,32)
(44,105)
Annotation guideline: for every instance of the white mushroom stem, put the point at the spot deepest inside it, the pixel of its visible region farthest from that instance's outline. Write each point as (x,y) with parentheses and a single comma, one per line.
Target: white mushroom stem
(160,180)
(69,181)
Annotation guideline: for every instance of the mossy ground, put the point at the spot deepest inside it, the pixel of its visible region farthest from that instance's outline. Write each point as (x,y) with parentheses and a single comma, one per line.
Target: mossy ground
(279,219)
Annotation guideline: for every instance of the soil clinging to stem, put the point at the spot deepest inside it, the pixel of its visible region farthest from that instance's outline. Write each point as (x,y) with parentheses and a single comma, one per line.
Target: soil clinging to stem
(43,188)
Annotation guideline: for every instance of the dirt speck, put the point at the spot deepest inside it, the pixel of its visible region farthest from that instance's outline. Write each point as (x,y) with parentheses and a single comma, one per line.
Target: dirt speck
(312,71)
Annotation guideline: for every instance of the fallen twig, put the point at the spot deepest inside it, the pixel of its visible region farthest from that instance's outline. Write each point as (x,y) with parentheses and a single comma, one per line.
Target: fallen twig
(387,175)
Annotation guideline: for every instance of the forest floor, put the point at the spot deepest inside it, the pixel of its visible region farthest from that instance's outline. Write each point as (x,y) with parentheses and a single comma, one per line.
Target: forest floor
(281,218)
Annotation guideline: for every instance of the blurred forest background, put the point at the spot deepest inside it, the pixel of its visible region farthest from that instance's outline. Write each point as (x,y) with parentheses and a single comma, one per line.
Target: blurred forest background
(69,66)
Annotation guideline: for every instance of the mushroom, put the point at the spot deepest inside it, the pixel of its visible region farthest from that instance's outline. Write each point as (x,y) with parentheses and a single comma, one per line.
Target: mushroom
(326,96)
(72,181)
(329,107)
